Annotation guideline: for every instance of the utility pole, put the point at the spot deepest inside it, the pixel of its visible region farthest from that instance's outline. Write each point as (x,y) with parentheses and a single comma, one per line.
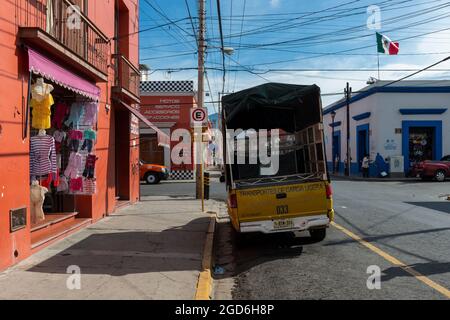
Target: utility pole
(200,92)
(348,92)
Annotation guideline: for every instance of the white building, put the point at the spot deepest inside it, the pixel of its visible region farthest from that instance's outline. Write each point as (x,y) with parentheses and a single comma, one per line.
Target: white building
(404,122)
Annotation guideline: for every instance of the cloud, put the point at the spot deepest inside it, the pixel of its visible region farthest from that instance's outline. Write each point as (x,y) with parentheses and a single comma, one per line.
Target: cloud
(274,3)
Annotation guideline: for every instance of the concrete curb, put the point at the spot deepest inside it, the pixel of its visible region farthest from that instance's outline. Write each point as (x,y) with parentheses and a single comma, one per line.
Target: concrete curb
(205,281)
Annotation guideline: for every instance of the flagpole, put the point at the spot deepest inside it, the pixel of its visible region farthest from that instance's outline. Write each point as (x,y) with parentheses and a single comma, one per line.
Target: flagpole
(378,57)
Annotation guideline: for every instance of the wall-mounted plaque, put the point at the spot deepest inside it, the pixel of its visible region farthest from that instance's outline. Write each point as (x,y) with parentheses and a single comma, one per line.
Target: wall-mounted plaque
(18,218)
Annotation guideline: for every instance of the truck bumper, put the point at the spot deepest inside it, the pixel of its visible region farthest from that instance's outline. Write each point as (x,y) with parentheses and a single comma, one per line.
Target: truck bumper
(295,224)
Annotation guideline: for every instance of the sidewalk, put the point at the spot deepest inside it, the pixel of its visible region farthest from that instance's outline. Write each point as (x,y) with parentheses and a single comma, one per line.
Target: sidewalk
(152,250)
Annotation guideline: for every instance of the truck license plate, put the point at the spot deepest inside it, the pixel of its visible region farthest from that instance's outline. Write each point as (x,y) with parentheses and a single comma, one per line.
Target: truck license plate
(283,224)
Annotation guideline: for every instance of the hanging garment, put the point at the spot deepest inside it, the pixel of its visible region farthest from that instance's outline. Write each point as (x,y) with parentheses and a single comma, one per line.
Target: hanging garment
(59,138)
(58,160)
(90,166)
(42,155)
(89,144)
(41,111)
(89,186)
(61,112)
(37,197)
(76,184)
(76,112)
(74,166)
(75,137)
(63,185)
(40,90)
(89,136)
(51,178)
(90,114)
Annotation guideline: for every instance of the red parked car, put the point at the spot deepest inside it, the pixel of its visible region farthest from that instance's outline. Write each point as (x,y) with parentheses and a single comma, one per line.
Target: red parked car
(428,170)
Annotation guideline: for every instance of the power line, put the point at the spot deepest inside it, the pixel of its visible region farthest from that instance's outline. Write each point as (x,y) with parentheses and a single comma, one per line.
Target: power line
(170,56)
(240,39)
(148,29)
(222,45)
(192,22)
(210,92)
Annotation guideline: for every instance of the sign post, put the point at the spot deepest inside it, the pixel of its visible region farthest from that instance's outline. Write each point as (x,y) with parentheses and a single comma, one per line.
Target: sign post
(198,121)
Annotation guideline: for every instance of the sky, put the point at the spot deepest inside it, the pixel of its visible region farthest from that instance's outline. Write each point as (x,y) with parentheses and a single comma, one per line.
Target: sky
(276,40)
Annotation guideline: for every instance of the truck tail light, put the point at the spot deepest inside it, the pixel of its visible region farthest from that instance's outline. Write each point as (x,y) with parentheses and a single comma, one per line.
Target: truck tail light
(329,191)
(233,201)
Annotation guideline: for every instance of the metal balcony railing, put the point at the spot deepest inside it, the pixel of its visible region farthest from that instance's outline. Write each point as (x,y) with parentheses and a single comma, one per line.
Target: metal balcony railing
(127,75)
(65,22)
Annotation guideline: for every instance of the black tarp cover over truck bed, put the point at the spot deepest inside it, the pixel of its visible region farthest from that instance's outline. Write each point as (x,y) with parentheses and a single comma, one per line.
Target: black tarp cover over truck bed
(273,106)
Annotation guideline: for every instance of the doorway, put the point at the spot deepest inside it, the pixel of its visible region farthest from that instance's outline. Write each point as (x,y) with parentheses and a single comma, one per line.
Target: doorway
(122,153)
(362,143)
(336,153)
(421,140)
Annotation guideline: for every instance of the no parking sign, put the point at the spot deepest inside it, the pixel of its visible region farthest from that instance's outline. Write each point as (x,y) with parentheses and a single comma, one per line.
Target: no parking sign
(198,117)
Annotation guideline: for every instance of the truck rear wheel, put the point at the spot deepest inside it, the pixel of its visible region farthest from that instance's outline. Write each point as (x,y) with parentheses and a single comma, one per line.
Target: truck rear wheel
(318,234)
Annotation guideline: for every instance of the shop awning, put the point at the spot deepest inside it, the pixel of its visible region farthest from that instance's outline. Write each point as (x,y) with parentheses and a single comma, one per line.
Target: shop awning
(163,139)
(52,71)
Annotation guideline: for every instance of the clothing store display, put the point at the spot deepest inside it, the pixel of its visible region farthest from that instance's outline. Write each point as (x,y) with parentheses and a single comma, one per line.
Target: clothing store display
(90,114)
(63,185)
(47,181)
(61,112)
(74,166)
(89,186)
(89,144)
(55,163)
(41,111)
(59,138)
(89,136)
(40,90)
(76,112)
(76,184)
(75,137)
(42,155)
(90,166)
(37,197)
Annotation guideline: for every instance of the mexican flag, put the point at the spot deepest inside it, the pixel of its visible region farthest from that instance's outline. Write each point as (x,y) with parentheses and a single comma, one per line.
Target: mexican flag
(386,45)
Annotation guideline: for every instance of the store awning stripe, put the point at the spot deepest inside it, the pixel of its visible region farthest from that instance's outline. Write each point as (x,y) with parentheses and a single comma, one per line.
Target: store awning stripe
(52,71)
(163,139)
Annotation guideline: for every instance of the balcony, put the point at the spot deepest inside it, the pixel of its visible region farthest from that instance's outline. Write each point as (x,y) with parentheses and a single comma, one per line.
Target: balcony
(59,27)
(127,79)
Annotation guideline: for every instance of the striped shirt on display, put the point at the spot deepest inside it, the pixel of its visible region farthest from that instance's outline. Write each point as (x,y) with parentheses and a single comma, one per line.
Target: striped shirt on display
(42,155)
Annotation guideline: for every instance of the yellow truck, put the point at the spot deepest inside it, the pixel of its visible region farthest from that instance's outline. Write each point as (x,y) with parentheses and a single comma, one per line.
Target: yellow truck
(278,181)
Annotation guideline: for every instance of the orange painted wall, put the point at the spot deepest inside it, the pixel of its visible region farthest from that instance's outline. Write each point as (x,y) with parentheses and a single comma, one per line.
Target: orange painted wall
(14,151)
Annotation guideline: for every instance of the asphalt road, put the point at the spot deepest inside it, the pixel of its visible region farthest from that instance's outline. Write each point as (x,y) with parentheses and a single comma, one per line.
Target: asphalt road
(405,220)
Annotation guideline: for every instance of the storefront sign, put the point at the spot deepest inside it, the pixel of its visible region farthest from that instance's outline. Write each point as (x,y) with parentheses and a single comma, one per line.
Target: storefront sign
(166,110)
(134,126)
(18,219)
(390,145)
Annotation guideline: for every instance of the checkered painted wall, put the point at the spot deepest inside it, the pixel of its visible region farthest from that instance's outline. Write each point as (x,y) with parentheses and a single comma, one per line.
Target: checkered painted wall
(181,175)
(167,86)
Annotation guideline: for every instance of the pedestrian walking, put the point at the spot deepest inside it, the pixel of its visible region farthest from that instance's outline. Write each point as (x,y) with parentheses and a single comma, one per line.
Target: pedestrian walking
(365,166)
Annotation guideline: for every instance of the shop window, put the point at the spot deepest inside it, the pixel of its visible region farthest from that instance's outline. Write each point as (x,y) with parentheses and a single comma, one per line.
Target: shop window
(63,132)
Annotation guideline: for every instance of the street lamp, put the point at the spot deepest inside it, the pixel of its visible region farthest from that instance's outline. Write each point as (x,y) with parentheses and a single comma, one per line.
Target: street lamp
(333,115)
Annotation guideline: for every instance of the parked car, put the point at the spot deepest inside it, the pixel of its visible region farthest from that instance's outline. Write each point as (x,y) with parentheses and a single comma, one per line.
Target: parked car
(152,173)
(428,170)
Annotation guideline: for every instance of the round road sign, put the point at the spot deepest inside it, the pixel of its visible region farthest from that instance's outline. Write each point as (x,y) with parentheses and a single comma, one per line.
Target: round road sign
(198,115)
